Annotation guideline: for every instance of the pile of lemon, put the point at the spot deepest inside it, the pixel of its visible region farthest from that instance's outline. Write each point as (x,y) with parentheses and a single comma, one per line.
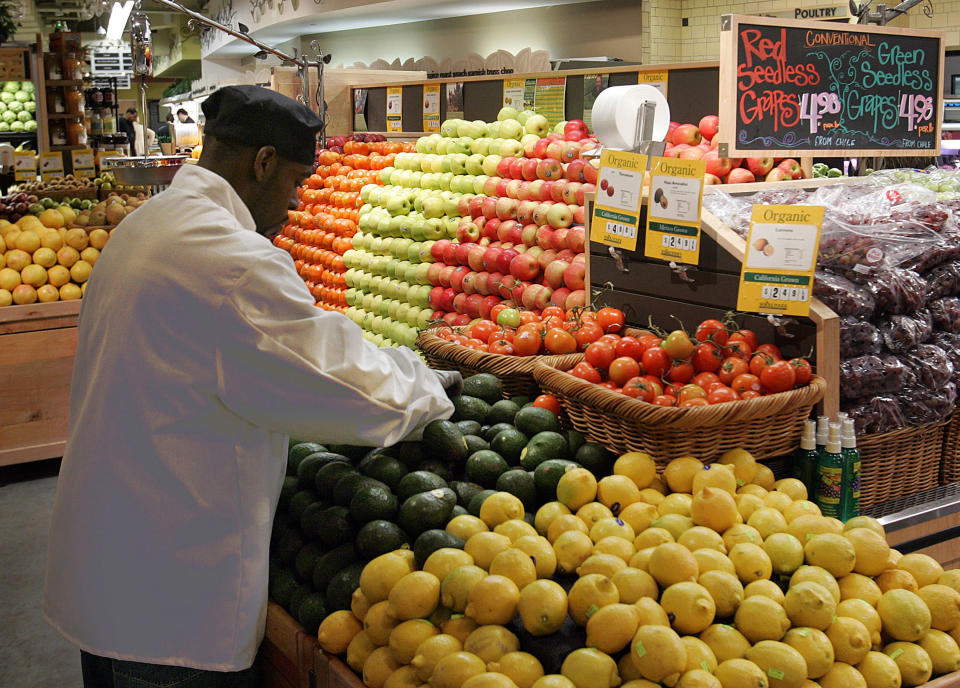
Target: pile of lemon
(41,259)
(704,576)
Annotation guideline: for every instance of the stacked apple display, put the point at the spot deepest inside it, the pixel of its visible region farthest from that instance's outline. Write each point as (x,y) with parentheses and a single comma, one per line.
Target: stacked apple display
(481,213)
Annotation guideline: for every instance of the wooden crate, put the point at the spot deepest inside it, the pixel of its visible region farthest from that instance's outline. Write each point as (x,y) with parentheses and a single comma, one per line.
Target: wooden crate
(287,653)
(38,343)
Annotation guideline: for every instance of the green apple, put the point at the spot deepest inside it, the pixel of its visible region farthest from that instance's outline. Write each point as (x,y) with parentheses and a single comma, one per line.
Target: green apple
(522,117)
(435,229)
(420,275)
(412,314)
(511,147)
(425,317)
(448,128)
(385,174)
(458,163)
(511,129)
(451,224)
(537,124)
(559,127)
(392,309)
(403,313)
(471,129)
(507,113)
(494,131)
(474,164)
(489,165)
(445,179)
(415,177)
(442,146)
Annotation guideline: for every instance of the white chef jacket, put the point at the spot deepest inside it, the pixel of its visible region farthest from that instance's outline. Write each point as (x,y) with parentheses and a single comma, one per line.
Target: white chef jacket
(200,351)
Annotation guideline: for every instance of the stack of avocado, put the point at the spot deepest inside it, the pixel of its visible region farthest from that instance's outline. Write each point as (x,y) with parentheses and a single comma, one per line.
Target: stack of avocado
(341,506)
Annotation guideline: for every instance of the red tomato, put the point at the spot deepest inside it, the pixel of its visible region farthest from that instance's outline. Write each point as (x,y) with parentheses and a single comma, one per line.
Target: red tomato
(747,336)
(587,334)
(779,377)
(552,311)
(678,345)
(611,319)
(707,357)
(585,371)
(527,343)
(712,386)
(495,311)
(528,317)
(649,341)
(705,379)
(802,370)
(664,400)
(639,388)
(630,346)
(612,338)
(482,329)
(740,349)
(673,389)
(552,321)
(657,384)
(559,341)
(721,395)
(502,333)
(549,402)
(655,361)
(681,371)
(608,385)
(536,328)
(692,402)
(771,349)
(731,368)
(712,331)
(745,382)
(688,392)
(750,394)
(501,346)
(622,369)
(600,354)
(759,361)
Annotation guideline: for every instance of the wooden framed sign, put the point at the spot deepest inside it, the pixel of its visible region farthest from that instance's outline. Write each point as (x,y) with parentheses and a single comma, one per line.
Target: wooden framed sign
(816,88)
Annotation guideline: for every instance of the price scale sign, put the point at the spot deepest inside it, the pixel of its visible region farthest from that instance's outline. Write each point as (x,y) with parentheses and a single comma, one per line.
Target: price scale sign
(24,166)
(807,88)
(395,109)
(673,212)
(51,165)
(781,256)
(83,163)
(616,212)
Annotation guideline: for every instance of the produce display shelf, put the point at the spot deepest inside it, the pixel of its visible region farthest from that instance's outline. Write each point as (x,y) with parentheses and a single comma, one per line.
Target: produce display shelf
(64,82)
(927,522)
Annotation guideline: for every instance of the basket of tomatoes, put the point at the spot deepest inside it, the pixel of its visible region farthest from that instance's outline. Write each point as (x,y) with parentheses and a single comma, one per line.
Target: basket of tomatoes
(511,341)
(673,394)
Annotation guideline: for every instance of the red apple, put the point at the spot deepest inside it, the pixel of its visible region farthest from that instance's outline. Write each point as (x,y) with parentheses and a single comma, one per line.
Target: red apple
(534,251)
(475,257)
(739,175)
(524,267)
(505,228)
(511,188)
(461,320)
(516,168)
(506,285)
(556,191)
(537,296)
(463,253)
(433,273)
(546,258)
(540,149)
(456,279)
(545,237)
(476,206)
(518,289)
(576,239)
(559,297)
(760,166)
(434,297)
(708,126)
(529,169)
(574,275)
(528,235)
(566,254)
(492,185)
(471,306)
(717,166)
(777,174)
(450,254)
(463,205)
(555,150)
(505,208)
(469,283)
(493,282)
(534,189)
(546,191)
(481,283)
(559,238)
(525,211)
(548,169)
(670,151)
(487,305)
(574,171)
(553,275)
(570,151)
(503,167)
(489,229)
(692,153)
(583,191)
(438,248)
(577,299)
(559,215)
(591,171)
(446,299)
(579,213)
(686,133)
(569,193)
(792,167)
(503,260)
(711,179)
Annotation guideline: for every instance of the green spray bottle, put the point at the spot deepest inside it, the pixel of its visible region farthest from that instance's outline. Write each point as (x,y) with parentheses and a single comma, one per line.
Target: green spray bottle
(850,498)
(830,475)
(823,432)
(805,459)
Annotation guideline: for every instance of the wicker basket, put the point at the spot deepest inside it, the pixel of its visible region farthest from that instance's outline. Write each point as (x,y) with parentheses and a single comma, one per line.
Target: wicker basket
(515,372)
(950,463)
(766,427)
(86,194)
(901,462)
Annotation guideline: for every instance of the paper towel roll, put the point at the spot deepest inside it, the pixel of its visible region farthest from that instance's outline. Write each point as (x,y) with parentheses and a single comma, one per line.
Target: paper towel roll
(615,114)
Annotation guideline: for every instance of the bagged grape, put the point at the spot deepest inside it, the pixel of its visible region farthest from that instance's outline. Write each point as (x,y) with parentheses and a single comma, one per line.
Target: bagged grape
(922,406)
(946,313)
(943,280)
(842,296)
(950,343)
(930,366)
(871,375)
(858,337)
(880,414)
(896,290)
(902,332)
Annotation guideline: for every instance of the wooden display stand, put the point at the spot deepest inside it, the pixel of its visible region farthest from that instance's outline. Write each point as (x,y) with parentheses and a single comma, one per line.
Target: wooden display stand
(38,344)
(287,653)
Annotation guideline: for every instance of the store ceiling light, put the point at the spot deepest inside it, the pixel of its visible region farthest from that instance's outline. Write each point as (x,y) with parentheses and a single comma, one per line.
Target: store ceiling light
(118,19)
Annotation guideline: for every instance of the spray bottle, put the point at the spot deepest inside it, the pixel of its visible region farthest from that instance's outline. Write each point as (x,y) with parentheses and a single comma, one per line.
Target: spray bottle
(850,499)
(805,459)
(823,432)
(830,475)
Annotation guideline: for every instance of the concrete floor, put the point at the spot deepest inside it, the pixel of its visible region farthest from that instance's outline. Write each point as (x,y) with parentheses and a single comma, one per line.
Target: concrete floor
(32,654)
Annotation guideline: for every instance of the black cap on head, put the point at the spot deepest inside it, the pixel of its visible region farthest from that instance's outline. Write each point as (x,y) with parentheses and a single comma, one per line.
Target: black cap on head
(257,117)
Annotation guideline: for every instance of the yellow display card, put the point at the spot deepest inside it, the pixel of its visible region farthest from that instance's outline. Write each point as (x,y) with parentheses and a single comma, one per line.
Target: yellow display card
(781,256)
(395,108)
(656,79)
(83,163)
(51,165)
(673,211)
(431,108)
(616,213)
(24,166)
(513,90)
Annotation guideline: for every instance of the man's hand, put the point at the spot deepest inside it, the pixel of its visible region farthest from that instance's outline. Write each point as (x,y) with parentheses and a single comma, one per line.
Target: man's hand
(451,380)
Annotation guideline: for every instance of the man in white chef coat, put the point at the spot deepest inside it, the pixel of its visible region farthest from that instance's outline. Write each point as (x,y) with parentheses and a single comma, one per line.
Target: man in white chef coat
(200,351)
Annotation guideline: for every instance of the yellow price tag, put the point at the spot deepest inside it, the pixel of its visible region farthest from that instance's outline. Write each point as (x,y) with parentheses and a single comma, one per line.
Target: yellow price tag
(83,163)
(24,166)
(781,256)
(103,158)
(51,165)
(513,90)
(431,108)
(395,108)
(673,211)
(616,212)
(656,79)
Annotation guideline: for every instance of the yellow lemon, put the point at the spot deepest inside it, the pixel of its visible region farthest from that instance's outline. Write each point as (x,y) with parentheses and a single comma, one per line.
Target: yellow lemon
(760,618)
(431,651)
(542,607)
(612,527)
(740,673)
(379,623)
(810,604)
(815,648)
(381,574)
(415,596)
(572,548)
(516,529)
(460,627)
(632,584)
(924,568)
(712,560)
(944,605)
(800,507)
(590,668)
(641,560)
(856,586)
(403,677)
(493,600)
(639,515)
(850,639)
(689,606)
(725,589)
(521,667)
(358,650)
(879,671)
(650,613)
(744,465)
(617,492)
(785,552)
(951,579)
(629,672)
(553,681)
(592,512)
(604,564)
(651,537)
(725,641)
(717,476)
(764,477)
(659,654)
(576,487)
(611,628)
(893,579)
(677,503)
(698,678)
(483,547)
(865,613)
(516,565)
(615,546)
(943,650)
(545,515)
(741,533)
(500,507)
(541,552)
(489,679)
(454,669)
(455,588)
(466,526)
(815,574)
(865,522)
(701,537)
(589,594)
(794,488)
(778,500)
(764,587)
(767,521)
(445,560)
(714,508)
(805,527)
(337,631)
(638,467)
(679,474)
(750,562)
(378,667)
(566,522)
(672,563)
(359,604)
(914,663)
(491,642)
(904,615)
(783,665)
(832,552)
(747,504)
(407,636)
(752,489)
(842,675)
(675,524)
(699,655)
(653,495)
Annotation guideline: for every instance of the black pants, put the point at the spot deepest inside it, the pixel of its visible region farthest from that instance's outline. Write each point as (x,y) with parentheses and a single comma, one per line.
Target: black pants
(103,672)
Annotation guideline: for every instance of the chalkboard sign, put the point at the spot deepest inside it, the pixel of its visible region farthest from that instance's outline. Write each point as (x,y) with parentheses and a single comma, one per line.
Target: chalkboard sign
(816,88)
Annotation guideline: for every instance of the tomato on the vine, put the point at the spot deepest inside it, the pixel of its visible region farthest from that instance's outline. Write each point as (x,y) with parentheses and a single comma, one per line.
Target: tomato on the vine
(699,401)
(678,345)
(638,388)
(731,368)
(502,333)
(802,370)
(707,357)
(528,317)
(552,321)
(534,327)
(552,312)
(586,334)
(630,346)
(712,386)
(600,354)
(771,349)
(549,402)
(688,392)
(779,377)
(664,400)
(712,330)
(622,369)
(482,330)
(721,395)
(745,382)
(740,349)
(527,343)
(559,341)
(759,361)
(648,341)
(585,371)
(681,371)
(497,310)
(657,384)
(656,361)
(608,385)
(747,336)
(673,389)
(750,394)
(501,346)
(612,338)
(705,378)
(611,319)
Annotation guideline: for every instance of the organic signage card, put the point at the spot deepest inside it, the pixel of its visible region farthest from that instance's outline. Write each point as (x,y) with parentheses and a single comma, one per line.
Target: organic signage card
(823,89)
(455,100)
(673,213)
(548,99)
(83,164)
(395,108)
(24,166)
(431,108)
(51,165)
(616,212)
(656,79)
(781,256)
(513,93)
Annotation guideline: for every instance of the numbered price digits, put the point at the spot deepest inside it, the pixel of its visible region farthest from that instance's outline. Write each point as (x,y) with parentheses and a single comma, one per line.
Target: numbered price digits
(679,242)
(813,106)
(621,229)
(916,108)
(770,291)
